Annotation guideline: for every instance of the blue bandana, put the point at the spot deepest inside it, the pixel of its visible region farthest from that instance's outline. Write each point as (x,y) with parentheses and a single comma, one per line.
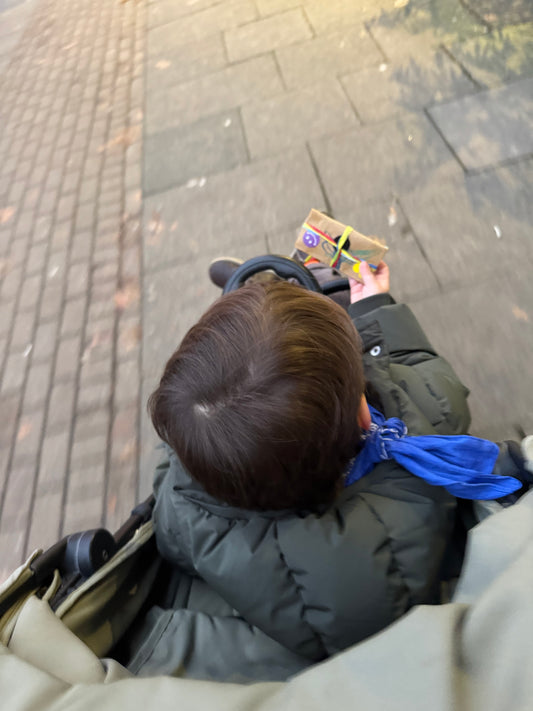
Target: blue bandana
(461,464)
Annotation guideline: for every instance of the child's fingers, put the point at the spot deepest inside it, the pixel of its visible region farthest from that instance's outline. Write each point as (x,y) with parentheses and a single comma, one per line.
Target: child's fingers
(383,276)
(366,273)
(355,285)
(382,269)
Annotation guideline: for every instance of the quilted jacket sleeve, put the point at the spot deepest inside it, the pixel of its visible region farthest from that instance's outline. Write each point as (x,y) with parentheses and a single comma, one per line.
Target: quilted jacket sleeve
(408,378)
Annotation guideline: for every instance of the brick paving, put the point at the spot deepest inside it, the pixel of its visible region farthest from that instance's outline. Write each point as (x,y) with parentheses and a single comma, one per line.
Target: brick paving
(70,261)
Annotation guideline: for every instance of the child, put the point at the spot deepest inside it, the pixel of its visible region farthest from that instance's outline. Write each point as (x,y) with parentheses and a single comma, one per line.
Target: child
(262,408)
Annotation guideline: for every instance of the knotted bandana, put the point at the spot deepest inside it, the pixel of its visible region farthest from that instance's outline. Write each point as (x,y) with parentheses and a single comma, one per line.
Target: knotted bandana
(461,464)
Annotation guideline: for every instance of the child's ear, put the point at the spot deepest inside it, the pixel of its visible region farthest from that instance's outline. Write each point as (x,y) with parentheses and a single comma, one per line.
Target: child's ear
(364,420)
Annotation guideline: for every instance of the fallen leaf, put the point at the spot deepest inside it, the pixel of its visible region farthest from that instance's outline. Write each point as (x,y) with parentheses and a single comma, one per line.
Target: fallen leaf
(155,227)
(123,138)
(6,214)
(100,338)
(112,504)
(129,338)
(520,314)
(24,430)
(127,296)
(128,452)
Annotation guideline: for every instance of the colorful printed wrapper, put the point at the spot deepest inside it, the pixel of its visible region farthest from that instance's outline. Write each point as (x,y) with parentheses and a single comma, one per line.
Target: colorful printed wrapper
(338,245)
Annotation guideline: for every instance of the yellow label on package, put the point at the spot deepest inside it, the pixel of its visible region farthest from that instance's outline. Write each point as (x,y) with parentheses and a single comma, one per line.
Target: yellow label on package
(338,245)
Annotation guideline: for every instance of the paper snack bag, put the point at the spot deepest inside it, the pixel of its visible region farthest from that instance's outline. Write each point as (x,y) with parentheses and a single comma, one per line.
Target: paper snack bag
(338,245)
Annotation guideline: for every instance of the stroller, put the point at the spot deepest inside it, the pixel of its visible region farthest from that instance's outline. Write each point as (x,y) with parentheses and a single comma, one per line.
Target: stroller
(68,616)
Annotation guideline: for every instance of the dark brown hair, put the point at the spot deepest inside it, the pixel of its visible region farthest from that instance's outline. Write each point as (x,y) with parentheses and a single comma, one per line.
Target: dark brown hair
(260,401)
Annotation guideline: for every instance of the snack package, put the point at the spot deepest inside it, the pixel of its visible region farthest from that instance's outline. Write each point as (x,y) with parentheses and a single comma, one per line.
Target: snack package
(338,245)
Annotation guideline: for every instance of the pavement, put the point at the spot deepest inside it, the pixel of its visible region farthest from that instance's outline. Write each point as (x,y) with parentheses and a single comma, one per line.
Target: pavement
(142,139)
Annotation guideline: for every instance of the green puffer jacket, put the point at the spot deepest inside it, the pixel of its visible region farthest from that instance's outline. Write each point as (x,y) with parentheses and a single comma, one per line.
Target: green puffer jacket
(316,584)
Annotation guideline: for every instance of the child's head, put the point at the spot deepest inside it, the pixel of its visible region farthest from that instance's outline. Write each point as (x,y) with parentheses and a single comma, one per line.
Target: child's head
(261,400)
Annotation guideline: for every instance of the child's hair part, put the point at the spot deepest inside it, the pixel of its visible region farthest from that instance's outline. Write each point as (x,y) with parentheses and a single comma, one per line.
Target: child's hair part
(260,401)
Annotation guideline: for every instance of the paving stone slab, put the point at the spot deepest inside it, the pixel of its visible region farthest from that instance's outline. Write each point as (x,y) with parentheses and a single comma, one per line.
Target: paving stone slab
(201,18)
(374,162)
(490,127)
(228,209)
(328,56)
(405,85)
(420,27)
(292,118)
(281,240)
(508,12)
(255,79)
(271,7)
(211,145)
(485,330)
(168,65)
(474,229)
(328,16)
(266,35)
(502,56)
(13,19)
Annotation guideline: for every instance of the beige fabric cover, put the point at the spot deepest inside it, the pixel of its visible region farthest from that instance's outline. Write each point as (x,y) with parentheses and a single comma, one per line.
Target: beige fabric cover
(472,654)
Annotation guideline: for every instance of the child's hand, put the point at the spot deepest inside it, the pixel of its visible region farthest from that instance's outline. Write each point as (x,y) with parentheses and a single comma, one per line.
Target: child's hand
(378,283)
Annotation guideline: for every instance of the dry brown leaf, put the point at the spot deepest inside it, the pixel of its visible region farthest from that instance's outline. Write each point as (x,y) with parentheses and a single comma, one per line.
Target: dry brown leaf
(6,214)
(24,430)
(127,296)
(123,138)
(155,227)
(112,504)
(130,338)
(520,314)
(128,452)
